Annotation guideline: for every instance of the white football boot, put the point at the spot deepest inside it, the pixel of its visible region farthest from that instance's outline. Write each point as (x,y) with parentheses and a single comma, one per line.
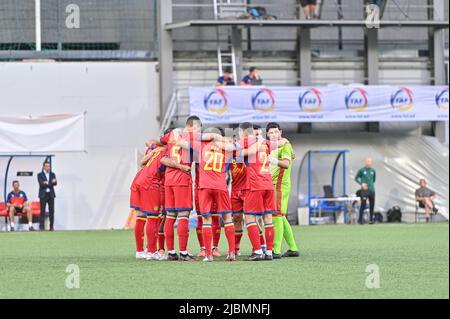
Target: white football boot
(141,255)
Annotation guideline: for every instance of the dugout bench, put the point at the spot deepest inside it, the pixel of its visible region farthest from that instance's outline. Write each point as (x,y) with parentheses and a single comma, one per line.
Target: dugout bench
(11,170)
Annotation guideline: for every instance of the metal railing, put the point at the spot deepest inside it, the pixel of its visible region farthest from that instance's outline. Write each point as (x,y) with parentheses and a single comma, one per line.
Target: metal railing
(170,112)
(328,9)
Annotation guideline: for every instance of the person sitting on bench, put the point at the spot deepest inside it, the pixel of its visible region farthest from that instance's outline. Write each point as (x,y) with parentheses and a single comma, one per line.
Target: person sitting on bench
(17,203)
(425,198)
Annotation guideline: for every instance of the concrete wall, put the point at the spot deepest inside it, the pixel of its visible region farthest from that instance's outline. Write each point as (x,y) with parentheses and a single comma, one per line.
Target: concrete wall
(122,104)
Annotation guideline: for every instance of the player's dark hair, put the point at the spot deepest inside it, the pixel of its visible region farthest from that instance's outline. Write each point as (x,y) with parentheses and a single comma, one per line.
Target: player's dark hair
(227,70)
(169,130)
(46,162)
(221,131)
(247,127)
(215,130)
(273,125)
(192,119)
(14,182)
(257,127)
(252,69)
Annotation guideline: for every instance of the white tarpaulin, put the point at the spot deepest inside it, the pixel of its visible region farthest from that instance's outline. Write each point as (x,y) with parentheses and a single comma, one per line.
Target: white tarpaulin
(320,104)
(50,133)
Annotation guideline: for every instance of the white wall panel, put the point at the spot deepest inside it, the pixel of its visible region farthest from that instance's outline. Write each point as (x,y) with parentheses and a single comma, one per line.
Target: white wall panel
(121,100)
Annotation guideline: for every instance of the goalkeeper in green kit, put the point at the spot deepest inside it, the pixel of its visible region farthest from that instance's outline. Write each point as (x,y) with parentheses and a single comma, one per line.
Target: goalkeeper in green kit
(281,165)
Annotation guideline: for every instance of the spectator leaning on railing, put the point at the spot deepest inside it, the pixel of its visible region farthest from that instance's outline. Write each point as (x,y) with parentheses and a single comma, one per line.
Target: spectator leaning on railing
(226,79)
(309,9)
(252,78)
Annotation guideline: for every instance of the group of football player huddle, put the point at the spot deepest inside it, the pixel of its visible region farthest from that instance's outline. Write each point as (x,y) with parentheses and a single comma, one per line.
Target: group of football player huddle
(229,178)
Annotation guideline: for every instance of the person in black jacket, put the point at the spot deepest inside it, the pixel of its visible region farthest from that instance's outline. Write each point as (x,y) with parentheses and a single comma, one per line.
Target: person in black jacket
(47,182)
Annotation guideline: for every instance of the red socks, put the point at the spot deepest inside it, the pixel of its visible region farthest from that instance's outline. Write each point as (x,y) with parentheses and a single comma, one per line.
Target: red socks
(161,237)
(253,234)
(207,238)
(216,229)
(238,238)
(261,238)
(152,234)
(183,232)
(270,235)
(139,233)
(199,231)
(161,240)
(230,233)
(169,232)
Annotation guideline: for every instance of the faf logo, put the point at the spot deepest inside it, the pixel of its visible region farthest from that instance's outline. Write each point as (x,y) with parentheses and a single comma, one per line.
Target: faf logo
(442,100)
(357,100)
(216,102)
(402,99)
(311,100)
(264,101)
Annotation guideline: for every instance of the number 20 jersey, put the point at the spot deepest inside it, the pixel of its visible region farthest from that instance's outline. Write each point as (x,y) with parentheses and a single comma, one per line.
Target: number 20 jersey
(213,166)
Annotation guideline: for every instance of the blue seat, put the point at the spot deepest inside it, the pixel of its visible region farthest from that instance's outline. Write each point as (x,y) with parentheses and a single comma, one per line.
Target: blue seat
(327,206)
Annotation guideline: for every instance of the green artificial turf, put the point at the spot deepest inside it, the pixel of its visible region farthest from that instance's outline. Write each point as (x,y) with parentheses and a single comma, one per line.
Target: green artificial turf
(413,261)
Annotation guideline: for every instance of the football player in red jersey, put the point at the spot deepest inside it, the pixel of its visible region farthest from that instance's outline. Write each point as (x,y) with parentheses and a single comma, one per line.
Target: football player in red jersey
(135,205)
(148,183)
(239,188)
(213,194)
(216,225)
(260,199)
(162,219)
(178,187)
(257,129)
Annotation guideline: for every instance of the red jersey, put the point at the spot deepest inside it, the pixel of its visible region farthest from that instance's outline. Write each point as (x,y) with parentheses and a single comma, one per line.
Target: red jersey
(258,167)
(133,184)
(174,176)
(212,167)
(239,175)
(152,174)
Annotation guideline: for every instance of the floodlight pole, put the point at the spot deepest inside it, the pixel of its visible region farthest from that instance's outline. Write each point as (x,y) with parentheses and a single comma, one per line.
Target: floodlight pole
(37,8)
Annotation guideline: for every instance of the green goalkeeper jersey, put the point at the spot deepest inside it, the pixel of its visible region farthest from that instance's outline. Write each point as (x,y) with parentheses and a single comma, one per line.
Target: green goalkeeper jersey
(281,176)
